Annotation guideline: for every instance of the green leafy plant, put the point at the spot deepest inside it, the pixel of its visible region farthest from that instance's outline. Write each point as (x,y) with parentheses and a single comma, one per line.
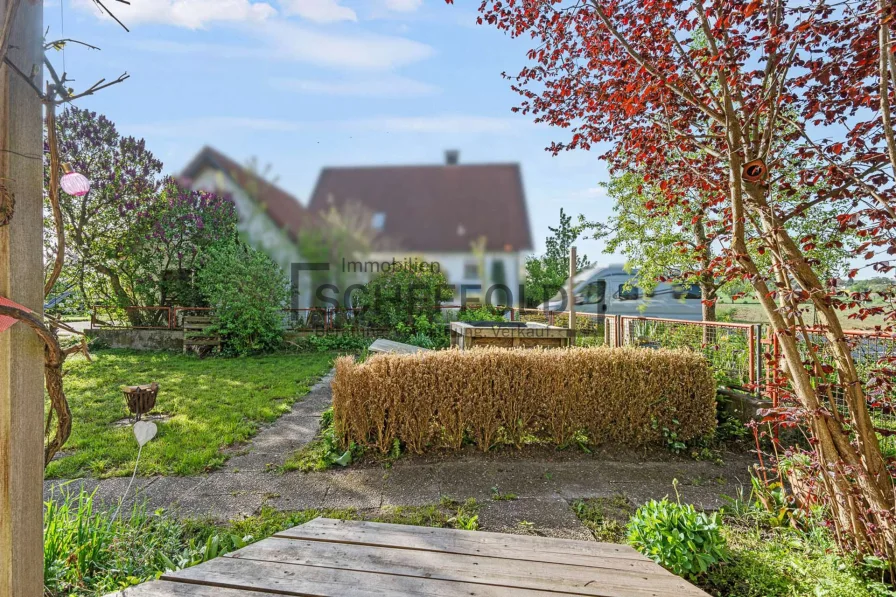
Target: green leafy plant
(678,537)
(324,452)
(467,514)
(670,435)
(545,275)
(502,496)
(402,296)
(247,291)
(346,342)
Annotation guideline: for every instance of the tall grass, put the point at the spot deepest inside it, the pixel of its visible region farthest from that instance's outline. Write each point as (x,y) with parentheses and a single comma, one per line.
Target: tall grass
(86,552)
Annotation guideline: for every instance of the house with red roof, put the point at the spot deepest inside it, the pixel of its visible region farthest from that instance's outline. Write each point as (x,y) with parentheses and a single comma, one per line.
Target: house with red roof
(468,220)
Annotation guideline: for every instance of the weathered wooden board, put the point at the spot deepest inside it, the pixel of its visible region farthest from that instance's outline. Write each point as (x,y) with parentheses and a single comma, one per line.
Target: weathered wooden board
(164,588)
(609,581)
(292,579)
(381,345)
(519,547)
(332,558)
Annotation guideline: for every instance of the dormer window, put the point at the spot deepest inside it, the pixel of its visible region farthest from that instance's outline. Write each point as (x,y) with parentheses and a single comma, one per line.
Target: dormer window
(378,220)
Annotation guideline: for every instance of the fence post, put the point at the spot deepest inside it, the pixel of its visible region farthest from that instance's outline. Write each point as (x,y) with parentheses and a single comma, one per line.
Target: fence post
(756,333)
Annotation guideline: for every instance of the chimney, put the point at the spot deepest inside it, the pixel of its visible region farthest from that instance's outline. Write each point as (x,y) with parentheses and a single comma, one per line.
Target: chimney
(452,156)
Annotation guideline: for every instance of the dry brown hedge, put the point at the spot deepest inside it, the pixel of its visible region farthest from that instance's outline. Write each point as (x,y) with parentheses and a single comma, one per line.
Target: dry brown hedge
(493,395)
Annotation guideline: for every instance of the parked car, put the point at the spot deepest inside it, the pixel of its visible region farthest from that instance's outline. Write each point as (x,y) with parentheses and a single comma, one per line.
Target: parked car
(611,290)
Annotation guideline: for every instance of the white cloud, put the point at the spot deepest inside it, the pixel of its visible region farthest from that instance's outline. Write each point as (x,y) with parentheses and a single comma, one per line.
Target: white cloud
(287,42)
(357,51)
(404,5)
(589,193)
(383,86)
(448,123)
(207,126)
(319,11)
(192,14)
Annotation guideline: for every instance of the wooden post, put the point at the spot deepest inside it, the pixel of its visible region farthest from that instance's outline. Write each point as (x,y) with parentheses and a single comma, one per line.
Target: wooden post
(21,280)
(572,295)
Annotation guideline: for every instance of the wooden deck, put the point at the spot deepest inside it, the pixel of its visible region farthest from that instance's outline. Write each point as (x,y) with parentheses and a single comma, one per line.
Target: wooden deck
(335,558)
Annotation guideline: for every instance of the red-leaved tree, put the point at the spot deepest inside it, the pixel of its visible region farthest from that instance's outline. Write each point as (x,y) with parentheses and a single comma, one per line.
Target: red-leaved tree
(689,93)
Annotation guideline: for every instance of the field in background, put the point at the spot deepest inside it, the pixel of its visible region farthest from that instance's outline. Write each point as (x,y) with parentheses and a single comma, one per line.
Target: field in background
(751,312)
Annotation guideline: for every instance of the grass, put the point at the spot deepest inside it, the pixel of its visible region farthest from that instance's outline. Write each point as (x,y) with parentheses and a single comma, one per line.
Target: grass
(212,404)
(751,312)
(86,553)
(765,559)
(605,517)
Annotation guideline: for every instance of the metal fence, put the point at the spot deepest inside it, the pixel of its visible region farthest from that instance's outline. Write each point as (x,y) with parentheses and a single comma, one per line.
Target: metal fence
(874,355)
(732,349)
(737,352)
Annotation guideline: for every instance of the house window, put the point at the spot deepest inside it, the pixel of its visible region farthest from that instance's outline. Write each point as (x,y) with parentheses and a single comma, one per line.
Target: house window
(378,220)
(631,293)
(471,270)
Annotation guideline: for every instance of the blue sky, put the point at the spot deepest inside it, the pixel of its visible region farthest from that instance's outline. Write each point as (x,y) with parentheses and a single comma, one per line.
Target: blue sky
(303,84)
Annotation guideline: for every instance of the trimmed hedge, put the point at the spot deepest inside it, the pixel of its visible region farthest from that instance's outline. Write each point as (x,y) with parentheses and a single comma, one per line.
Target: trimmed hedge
(493,395)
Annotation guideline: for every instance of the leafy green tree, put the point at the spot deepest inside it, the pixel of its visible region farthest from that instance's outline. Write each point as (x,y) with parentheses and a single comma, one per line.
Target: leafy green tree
(248,293)
(681,242)
(545,274)
(135,239)
(404,296)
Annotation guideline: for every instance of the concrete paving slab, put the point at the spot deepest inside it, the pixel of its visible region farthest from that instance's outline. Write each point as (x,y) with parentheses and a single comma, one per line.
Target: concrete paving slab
(411,486)
(108,492)
(548,517)
(167,492)
(296,491)
(219,508)
(355,489)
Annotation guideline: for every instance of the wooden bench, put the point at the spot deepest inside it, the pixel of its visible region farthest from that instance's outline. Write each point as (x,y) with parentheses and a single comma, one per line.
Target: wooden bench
(194,332)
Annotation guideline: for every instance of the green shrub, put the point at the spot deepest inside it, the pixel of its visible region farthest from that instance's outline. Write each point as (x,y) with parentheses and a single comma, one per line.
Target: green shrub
(247,292)
(355,343)
(423,331)
(678,537)
(480,313)
(403,296)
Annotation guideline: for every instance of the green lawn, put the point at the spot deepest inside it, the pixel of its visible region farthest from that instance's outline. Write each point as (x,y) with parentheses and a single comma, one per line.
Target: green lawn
(212,403)
(751,312)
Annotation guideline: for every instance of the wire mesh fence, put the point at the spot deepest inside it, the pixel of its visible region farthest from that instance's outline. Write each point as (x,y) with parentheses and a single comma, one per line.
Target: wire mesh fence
(730,348)
(874,356)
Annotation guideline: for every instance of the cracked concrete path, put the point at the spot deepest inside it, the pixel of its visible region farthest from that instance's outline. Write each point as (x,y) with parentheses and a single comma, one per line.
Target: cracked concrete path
(544,482)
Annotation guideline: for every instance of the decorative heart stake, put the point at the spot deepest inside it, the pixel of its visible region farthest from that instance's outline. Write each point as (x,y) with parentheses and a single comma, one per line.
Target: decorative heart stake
(144,431)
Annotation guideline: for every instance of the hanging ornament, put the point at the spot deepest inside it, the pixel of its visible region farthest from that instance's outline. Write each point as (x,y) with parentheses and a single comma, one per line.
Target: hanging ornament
(73,183)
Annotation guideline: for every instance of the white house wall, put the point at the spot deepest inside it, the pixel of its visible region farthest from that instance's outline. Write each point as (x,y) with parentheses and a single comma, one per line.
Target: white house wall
(454,264)
(258,229)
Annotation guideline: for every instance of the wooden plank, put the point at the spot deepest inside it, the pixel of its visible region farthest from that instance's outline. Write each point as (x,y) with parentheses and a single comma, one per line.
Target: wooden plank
(385,346)
(164,588)
(22,281)
(621,578)
(310,581)
(516,547)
